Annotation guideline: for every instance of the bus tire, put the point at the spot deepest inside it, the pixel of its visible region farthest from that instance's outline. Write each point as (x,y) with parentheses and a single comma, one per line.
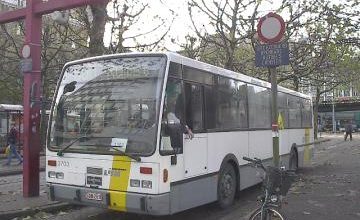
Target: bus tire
(226,188)
(293,161)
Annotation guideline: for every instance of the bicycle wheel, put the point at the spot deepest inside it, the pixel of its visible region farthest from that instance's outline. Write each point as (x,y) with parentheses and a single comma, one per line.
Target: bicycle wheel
(270,214)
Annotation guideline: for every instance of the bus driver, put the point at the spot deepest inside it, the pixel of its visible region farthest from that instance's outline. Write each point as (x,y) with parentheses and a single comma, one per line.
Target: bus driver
(173,117)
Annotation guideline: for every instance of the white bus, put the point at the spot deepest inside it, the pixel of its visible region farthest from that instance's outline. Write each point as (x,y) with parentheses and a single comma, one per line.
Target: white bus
(130,149)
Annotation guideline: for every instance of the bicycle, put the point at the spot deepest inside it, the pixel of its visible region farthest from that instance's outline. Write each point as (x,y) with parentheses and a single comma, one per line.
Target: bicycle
(276,184)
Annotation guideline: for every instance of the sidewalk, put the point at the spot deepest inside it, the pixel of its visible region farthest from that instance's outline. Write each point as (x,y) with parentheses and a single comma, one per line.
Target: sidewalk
(12,202)
(330,188)
(15,169)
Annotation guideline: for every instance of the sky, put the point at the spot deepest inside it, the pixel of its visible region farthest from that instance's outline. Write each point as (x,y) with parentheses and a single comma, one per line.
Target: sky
(181,26)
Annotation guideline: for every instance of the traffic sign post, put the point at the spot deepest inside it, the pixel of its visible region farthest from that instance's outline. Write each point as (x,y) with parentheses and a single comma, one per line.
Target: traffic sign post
(270,54)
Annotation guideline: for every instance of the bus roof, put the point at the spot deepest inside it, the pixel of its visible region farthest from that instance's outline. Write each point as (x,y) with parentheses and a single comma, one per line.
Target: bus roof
(8,107)
(175,57)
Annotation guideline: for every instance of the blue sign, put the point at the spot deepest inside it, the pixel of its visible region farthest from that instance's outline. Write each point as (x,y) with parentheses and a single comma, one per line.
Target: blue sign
(272,55)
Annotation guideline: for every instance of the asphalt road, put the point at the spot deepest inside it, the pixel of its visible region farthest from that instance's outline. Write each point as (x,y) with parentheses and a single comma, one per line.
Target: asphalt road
(328,190)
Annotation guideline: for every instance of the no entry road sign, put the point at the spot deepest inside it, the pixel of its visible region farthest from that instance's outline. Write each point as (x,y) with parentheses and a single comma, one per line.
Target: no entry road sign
(271,28)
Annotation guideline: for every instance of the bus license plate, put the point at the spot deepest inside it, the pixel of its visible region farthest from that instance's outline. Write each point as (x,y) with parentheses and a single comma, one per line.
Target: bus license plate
(93,196)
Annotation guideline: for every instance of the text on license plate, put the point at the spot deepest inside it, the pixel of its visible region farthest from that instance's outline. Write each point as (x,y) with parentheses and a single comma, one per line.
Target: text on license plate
(93,196)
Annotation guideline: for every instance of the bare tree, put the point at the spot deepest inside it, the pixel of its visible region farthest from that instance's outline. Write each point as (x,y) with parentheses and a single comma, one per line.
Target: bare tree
(57,49)
(131,15)
(229,25)
(10,77)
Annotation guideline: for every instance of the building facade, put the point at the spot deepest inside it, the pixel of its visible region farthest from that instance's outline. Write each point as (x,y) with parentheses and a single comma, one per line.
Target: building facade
(338,108)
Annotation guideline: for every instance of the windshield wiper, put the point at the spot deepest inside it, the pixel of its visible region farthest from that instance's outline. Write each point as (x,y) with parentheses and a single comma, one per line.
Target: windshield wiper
(60,153)
(137,158)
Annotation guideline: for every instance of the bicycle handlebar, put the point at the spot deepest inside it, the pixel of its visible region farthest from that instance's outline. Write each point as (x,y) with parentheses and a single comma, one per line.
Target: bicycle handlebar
(255,161)
(248,159)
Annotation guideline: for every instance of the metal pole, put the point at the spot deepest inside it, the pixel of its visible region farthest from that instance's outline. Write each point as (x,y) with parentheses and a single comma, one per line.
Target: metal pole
(32,81)
(274,116)
(32,91)
(333,117)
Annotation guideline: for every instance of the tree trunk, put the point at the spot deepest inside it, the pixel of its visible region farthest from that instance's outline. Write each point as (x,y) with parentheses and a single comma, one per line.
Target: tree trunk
(96,44)
(231,50)
(316,112)
(296,83)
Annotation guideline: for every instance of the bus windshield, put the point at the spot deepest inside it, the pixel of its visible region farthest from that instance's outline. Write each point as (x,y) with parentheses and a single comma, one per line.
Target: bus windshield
(114,103)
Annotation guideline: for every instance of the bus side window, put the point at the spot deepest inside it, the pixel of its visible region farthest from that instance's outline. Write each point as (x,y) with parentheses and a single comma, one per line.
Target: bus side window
(172,126)
(194,106)
(210,103)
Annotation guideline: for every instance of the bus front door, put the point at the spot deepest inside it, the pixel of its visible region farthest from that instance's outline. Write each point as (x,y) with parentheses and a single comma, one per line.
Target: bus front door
(195,155)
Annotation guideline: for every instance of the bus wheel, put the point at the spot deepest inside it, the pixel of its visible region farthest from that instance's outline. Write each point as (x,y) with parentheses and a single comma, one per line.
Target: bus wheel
(226,188)
(293,162)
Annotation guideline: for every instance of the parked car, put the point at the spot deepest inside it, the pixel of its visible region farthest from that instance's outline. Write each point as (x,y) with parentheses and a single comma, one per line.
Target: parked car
(354,128)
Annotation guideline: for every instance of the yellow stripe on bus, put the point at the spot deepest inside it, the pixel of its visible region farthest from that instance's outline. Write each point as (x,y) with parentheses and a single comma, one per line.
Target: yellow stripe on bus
(307,155)
(119,183)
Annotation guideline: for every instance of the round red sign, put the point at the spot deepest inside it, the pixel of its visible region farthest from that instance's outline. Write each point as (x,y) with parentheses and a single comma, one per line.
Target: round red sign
(271,28)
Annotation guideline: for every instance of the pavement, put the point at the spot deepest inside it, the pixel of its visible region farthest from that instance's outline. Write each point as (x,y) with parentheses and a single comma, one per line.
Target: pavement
(14,168)
(329,189)
(12,202)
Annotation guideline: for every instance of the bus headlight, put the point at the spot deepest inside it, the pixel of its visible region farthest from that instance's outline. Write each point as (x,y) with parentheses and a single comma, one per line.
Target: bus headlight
(52,174)
(60,175)
(146,184)
(134,183)
(57,175)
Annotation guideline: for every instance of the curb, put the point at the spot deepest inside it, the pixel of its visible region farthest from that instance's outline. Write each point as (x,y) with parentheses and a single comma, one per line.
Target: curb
(32,211)
(16,172)
(321,141)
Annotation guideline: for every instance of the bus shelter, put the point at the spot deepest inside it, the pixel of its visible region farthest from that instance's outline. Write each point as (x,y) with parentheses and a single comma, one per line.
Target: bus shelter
(10,114)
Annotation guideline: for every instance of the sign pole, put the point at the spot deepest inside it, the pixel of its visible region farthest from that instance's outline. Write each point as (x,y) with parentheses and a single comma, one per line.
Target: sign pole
(274,52)
(274,116)
(32,92)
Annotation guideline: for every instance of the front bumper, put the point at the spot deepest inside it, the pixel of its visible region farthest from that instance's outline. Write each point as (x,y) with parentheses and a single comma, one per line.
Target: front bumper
(120,201)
